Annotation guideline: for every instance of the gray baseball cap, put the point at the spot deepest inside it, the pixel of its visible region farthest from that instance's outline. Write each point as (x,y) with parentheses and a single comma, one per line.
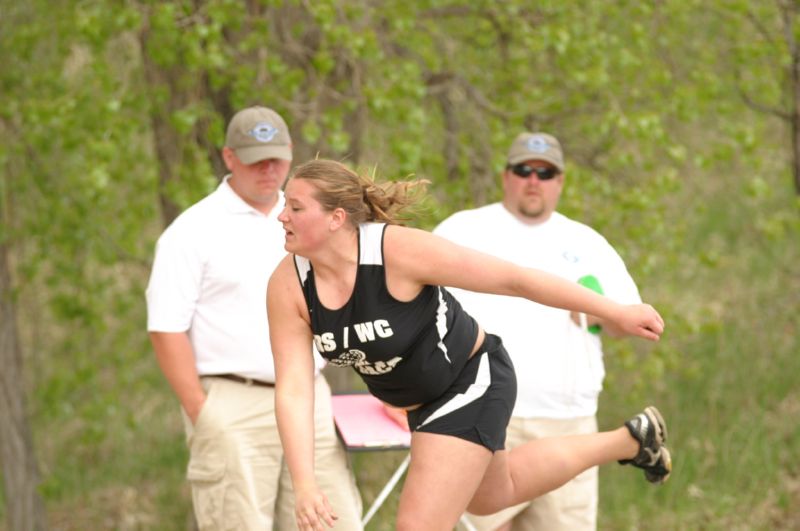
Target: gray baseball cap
(258,133)
(536,146)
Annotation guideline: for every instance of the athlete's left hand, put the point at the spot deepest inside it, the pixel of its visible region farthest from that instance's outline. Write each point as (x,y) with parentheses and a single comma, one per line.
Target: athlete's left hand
(641,320)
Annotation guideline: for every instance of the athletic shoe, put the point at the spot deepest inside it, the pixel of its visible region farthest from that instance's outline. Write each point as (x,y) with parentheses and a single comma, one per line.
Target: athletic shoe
(649,428)
(659,473)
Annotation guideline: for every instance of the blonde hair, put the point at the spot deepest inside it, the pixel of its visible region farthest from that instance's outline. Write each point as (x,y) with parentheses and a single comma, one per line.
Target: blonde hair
(360,196)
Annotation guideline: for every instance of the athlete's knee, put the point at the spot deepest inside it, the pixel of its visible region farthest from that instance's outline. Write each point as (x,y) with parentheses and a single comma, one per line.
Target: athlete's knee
(482,505)
(492,496)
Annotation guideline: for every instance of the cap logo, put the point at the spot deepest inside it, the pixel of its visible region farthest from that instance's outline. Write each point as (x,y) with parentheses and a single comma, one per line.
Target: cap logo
(263,132)
(537,144)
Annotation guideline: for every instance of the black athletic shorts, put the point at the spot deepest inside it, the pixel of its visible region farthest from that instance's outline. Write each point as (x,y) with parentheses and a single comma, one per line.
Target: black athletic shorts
(478,406)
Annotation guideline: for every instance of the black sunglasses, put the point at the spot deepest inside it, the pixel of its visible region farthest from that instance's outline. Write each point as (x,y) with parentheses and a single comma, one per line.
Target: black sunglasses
(525,170)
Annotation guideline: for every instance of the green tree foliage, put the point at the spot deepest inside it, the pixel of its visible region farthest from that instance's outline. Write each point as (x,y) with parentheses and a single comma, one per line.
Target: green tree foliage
(113,116)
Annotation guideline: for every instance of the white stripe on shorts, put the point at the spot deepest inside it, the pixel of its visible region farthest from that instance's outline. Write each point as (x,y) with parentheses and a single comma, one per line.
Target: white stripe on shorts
(476,390)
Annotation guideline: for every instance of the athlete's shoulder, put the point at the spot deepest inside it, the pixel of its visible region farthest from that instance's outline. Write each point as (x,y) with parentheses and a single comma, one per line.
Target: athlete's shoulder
(287,265)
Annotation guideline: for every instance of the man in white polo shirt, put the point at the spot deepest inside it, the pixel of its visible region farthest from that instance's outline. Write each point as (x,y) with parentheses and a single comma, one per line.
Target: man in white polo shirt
(207,318)
(558,361)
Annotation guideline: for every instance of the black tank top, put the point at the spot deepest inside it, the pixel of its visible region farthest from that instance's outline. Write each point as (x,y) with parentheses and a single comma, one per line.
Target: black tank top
(406,352)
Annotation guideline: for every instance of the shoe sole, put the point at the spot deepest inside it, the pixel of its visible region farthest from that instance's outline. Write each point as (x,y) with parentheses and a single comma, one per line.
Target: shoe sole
(654,415)
(666,461)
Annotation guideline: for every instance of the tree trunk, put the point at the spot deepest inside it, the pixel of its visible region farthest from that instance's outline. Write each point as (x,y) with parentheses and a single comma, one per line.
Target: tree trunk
(24,506)
(166,141)
(796,141)
(788,11)
(795,118)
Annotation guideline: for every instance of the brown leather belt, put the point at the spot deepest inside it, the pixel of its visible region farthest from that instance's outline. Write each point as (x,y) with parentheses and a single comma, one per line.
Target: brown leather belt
(242,379)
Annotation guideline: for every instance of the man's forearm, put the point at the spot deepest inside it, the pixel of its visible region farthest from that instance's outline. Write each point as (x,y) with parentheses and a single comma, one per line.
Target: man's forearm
(176,358)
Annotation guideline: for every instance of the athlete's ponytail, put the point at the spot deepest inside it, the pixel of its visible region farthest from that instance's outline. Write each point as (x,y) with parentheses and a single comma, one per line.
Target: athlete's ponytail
(359,195)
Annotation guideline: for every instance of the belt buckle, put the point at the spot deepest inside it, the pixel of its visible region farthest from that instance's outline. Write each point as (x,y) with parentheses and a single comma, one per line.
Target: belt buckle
(248,381)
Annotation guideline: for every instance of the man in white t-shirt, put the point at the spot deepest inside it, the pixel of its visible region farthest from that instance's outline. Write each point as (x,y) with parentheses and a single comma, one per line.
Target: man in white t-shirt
(557,356)
(207,318)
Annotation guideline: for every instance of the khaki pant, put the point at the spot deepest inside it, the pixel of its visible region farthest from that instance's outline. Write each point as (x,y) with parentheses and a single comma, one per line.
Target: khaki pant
(236,469)
(572,507)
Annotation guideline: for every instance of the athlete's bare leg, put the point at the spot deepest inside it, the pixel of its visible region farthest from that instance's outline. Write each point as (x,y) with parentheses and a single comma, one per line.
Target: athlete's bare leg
(545,464)
(447,475)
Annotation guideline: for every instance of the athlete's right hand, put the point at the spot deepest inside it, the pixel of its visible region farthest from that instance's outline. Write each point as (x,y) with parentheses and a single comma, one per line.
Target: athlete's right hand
(312,510)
